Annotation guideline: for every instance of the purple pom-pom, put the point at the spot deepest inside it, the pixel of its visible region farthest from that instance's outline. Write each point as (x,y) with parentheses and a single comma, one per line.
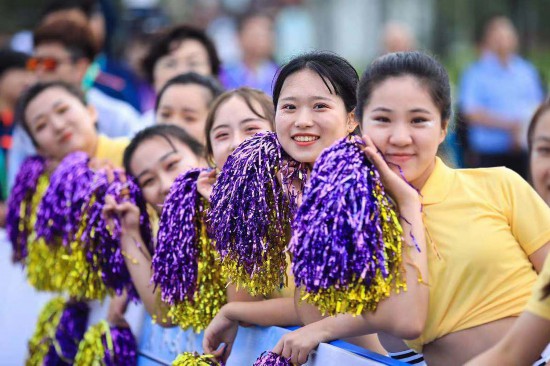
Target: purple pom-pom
(272,359)
(22,191)
(124,348)
(61,207)
(103,239)
(347,239)
(175,266)
(69,333)
(250,215)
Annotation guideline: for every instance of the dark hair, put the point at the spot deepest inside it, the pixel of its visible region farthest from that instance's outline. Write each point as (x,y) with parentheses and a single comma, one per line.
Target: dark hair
(28,96)
(417,64)
(543,108)
(164,44)
(85,6)
(209,83)
(250,97)
(10,60)
(164,131)
(337,73)
(77,39)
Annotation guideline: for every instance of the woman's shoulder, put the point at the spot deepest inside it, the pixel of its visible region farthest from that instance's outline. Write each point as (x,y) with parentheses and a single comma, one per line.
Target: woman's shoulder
(492,175)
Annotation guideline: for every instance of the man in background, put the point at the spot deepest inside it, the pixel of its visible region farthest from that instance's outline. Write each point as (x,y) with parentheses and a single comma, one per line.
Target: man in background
(498,94)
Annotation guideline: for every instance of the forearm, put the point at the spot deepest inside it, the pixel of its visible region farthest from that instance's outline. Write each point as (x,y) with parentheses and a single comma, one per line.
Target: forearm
(272,312)
(138,262)
(522,345)
(414,301)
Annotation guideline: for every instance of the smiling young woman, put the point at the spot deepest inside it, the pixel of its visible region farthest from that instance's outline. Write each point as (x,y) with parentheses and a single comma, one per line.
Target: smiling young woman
(487,231)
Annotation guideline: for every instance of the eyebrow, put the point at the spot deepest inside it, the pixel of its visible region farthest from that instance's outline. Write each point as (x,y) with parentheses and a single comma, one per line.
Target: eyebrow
(251,119)
(543,138)
(246,120)
(315,97)
(414,110)
(162,158)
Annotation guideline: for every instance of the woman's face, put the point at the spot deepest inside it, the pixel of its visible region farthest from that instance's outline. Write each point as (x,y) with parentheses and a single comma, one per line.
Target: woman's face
(309,116)
(540,157)
(405,124)
(157,162)
(60,124)
(185,105)
(234,123)
(186,56)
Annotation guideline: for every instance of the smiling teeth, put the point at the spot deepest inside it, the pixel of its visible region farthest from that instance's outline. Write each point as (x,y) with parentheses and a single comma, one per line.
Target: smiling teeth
(305,138)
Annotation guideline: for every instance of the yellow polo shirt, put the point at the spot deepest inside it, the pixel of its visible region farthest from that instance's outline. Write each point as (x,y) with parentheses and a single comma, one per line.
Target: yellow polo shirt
(111,149)
(537,305)
(481,226)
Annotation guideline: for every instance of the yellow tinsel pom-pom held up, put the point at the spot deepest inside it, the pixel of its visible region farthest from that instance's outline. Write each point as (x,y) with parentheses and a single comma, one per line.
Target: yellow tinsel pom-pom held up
(44,269)
(358,298)
(44,334)
(57,268)
(194,359)
(210,295)
(107,346)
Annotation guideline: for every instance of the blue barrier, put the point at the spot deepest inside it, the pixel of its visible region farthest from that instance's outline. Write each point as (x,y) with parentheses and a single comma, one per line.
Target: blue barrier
(160,346)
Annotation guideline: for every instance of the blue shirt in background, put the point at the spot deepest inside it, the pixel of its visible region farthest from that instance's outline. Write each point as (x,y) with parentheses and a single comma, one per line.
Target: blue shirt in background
(511,92)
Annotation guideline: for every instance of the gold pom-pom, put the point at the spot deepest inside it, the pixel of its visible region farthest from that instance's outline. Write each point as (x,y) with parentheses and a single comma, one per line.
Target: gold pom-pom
(44,334)
(210,295)
(43,265)
(194,359)
(359,297)
(91,349)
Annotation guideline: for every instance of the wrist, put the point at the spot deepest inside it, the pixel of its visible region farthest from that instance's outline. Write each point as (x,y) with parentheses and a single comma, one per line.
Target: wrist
(129,239)
(411,203)
(322,330)
(227,311)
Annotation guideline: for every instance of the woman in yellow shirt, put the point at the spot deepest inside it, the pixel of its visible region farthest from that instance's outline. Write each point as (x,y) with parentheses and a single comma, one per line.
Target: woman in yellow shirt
(487,232)
(533,325)
(59,122)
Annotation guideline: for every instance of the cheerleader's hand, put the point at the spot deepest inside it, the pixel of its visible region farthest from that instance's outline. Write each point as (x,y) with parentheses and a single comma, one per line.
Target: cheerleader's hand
(220,330)
(205,182)
(126,212)
(298,344)
(97,164)
(396,185)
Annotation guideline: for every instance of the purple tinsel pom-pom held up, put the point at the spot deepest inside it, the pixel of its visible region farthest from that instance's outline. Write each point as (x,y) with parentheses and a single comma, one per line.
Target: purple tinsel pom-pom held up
(175,267)
(250,214)
(61,207)
(271,359)
(347,240)
(103,240)
(19,204)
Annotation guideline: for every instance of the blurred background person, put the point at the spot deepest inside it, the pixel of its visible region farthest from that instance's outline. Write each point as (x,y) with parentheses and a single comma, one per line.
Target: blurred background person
(397,37)
(176,51)
(256,68)
(498,94)
(63,51)
(14,79)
